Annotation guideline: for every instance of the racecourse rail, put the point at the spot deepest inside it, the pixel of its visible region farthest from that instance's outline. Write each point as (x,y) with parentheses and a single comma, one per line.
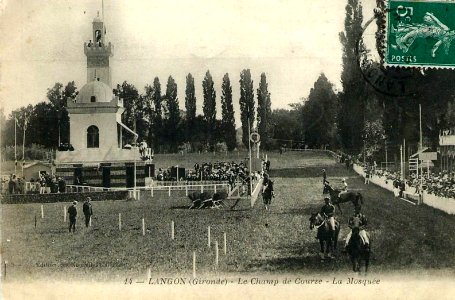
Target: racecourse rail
(444,204)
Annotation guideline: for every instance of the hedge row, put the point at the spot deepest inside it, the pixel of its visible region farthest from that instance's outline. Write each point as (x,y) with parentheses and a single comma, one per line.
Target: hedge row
(64,197)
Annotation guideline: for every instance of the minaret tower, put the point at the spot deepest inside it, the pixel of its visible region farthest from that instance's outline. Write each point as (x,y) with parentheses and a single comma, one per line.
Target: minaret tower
(98,52)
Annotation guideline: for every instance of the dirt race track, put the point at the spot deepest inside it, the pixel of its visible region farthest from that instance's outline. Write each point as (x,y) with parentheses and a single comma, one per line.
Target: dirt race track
(405,238)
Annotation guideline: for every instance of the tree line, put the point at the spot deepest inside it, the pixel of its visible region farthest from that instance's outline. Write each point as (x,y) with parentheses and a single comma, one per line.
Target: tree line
(154,115)
(359,119)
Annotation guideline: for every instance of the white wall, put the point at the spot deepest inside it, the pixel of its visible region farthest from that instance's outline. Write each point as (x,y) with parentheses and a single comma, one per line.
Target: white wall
(106,123)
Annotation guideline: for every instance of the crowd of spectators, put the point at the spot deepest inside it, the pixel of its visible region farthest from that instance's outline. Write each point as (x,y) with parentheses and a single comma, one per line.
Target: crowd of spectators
(219,171)
(44,184)
(441,184)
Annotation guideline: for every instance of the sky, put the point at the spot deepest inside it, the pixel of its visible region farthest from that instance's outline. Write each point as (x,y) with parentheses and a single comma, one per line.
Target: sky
(291,41)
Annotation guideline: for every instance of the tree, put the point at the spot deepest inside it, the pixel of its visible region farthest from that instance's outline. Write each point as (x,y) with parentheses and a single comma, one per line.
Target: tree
(172,114)
(352,98)
(190,106)
(142,116)
(130,96)
(264,112)
(374,136)
(287,125)
(246,104)
(227,113)
(154,98)
(209,109)
(318,116)
(57,96)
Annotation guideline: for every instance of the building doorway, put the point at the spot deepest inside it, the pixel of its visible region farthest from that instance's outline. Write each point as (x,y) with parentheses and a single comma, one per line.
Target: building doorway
(106,177)
(77,176)
(129,176)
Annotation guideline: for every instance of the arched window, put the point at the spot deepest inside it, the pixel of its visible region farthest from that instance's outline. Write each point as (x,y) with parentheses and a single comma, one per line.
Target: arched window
(93,99)
(93,137)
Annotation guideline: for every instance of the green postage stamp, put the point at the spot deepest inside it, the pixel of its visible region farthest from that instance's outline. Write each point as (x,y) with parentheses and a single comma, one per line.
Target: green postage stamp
(420,33)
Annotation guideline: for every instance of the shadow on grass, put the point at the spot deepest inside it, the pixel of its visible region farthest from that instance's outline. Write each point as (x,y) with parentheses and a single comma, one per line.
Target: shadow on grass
(186,207)
(308,171)
(311,262)
(302,257)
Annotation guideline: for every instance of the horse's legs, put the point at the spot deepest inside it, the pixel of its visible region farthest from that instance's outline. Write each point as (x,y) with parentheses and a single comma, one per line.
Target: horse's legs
(367,262)
(321,243)
(339,207)
(335,239)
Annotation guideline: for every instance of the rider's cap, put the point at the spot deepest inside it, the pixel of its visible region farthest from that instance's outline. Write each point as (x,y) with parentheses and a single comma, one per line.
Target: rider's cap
(326,198)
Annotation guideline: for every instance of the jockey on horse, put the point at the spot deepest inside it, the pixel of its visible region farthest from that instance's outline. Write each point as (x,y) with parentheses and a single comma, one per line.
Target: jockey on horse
(359,221)
(328,210)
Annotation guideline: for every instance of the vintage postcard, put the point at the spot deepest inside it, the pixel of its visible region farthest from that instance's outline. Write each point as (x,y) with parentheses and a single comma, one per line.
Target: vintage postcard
(286,149)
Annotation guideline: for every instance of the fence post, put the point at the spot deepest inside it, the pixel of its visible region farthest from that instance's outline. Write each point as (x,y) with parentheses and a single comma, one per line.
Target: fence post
(194,264)
(172,230)
(169,191)
(151,191)
(216,255)
(208,236)
(214,188)
(186,190)
(143,226)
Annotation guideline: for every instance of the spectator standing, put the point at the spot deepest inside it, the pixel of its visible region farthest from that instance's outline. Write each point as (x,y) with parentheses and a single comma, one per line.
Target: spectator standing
(61,185)
(324,176)
(42,182)
(367,175)
(12,184)
(72,212)
(87,210)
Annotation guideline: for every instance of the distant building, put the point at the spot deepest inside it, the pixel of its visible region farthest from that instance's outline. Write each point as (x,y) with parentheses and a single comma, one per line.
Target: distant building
(99,157)
(447,149)
(34,169)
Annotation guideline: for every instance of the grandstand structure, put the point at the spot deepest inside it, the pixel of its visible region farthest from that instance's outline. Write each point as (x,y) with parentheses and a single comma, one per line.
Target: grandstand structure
(447,149)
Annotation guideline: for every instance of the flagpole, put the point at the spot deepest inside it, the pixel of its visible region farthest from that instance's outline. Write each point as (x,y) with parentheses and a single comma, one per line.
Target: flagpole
(249,150)
(420,118)
(421,148)
(23,144)
(15,144)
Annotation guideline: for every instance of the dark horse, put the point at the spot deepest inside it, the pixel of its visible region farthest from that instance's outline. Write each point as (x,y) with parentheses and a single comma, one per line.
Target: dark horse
(356,248)
(207,199)
(355,198)
(328,239)
(267,194)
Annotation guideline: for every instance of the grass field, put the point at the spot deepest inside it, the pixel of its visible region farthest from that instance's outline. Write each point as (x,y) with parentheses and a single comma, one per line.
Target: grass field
(405,238)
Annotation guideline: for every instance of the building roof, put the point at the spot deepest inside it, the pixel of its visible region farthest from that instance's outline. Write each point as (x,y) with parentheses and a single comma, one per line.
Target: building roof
(36,163)
(100,90)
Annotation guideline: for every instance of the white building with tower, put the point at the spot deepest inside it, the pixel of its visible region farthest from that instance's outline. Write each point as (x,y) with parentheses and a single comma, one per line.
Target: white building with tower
(99,157)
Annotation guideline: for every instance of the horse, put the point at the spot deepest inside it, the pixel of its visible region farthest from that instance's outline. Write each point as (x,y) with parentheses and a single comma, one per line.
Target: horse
(356,248)
(328,239)
(355,198)
(267,193)
(207,199)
